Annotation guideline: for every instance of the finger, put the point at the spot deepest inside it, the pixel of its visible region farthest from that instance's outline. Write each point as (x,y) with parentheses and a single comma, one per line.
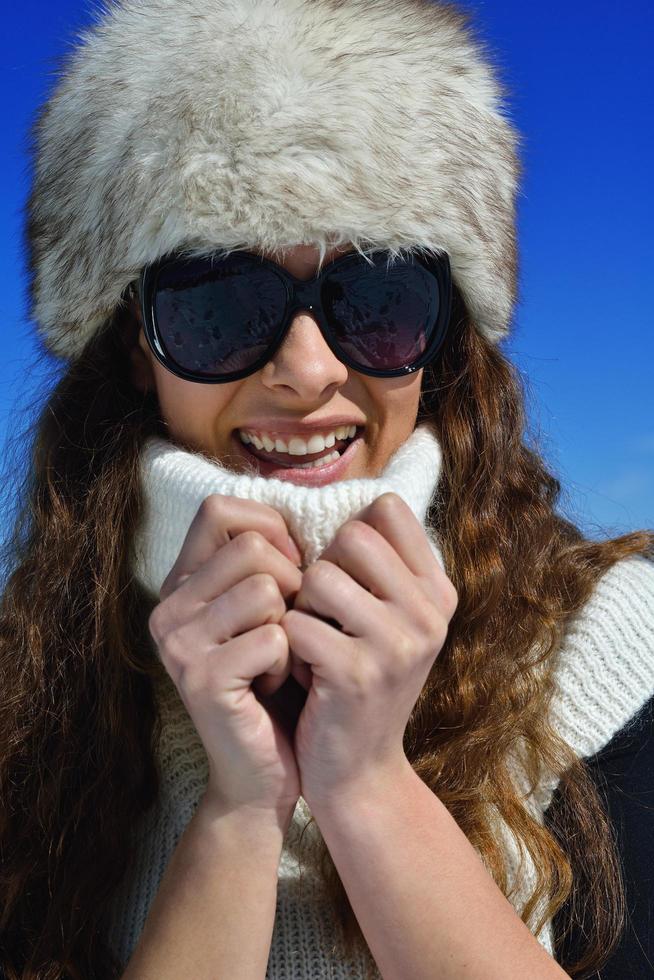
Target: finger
(316,645)
(247,604)
(188,653)
(244,556)
(367,557)
(218,520)
(330,593)
(265,685)
(392,517)
(262,651)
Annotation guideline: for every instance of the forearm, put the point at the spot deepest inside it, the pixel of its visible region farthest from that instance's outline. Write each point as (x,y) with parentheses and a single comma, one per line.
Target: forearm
(214,913)
(427,906)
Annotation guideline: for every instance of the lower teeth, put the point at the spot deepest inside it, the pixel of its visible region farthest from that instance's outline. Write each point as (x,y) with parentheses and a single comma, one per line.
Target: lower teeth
(314,463)
(323,461)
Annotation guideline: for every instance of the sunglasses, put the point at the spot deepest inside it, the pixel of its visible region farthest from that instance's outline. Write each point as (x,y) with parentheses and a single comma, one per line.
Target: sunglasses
(215,320)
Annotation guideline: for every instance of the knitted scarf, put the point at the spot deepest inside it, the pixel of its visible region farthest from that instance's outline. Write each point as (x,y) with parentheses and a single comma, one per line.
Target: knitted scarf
(177,481)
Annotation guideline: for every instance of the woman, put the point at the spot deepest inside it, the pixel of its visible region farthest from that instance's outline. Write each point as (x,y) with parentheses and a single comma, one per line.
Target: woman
(250,222)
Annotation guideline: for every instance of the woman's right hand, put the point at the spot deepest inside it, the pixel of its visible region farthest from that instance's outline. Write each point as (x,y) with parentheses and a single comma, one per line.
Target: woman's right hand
(217,629)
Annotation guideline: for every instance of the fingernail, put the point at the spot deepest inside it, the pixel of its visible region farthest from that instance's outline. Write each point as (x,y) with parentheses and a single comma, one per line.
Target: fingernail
(294,550)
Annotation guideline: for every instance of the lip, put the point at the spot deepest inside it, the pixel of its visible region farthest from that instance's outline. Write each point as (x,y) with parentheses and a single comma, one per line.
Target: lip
(288,426)
(317,477)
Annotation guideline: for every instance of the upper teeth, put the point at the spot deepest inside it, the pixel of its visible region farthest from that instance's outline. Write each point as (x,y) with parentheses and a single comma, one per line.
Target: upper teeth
(296,445)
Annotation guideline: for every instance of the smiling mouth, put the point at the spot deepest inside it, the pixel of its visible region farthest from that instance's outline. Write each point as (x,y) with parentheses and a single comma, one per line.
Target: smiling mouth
(292,461)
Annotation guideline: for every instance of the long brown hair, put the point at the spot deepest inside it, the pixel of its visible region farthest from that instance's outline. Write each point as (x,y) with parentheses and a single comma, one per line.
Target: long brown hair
(79,721)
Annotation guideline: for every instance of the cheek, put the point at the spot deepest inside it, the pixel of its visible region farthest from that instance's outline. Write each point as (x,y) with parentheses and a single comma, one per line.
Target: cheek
(396,399)
(186,406)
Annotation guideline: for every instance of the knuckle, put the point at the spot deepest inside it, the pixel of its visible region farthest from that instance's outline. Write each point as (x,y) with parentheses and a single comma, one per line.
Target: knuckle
(426,619)
(156,623)
(353,534)
(252,543)
(321,573)
(275,636)
(264,588)
(406,645)
(387,504)
(363,677)
(405,652)
(174,648)
(451,599)
(211,507)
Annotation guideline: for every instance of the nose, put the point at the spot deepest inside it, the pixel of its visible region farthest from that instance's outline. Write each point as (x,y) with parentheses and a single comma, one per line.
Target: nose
(304,361)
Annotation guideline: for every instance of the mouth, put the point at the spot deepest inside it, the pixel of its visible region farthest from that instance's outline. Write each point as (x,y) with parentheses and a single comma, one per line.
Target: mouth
(283,466)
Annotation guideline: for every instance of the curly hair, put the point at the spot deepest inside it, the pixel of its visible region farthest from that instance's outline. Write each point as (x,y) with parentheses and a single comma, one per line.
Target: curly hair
(79,719)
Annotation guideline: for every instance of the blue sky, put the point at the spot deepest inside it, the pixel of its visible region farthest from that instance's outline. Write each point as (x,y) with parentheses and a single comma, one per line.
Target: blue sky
(581,79)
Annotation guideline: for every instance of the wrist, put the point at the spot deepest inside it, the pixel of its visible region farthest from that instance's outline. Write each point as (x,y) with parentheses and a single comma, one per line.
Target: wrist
(243,822)
(363,791)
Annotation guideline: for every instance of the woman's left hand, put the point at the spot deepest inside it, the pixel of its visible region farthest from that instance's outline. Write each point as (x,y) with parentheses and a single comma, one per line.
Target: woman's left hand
(379,580)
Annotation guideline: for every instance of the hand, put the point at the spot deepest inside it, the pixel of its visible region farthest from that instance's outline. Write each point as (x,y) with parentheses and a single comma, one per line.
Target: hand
(366,626)
(218,634)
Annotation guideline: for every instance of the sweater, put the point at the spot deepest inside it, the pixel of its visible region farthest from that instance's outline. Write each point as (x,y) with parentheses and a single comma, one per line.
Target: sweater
(623,775)
(605,673)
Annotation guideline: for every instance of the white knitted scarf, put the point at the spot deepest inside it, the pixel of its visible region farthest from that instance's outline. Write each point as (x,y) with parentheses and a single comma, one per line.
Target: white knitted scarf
(177,481)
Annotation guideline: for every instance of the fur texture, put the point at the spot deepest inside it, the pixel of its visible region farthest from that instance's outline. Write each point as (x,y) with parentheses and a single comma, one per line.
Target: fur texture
(223,124)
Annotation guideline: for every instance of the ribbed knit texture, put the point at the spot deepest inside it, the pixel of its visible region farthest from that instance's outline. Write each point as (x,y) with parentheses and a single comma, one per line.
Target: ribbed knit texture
(605,674)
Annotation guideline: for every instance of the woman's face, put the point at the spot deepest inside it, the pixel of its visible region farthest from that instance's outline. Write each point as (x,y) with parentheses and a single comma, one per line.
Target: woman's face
(303,383)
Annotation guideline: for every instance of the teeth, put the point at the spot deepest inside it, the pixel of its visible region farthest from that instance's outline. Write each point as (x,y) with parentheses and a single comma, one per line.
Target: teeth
(323,461)
(296,445)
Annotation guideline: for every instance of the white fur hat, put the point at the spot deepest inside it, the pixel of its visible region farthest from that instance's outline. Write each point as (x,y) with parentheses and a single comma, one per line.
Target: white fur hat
(225,124)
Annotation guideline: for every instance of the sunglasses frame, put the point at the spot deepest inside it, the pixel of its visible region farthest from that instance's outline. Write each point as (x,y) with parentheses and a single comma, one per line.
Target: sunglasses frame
(301,294)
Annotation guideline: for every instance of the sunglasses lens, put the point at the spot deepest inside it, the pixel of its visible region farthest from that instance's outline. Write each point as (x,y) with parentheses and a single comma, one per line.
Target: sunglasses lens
(217,316)
(384,317)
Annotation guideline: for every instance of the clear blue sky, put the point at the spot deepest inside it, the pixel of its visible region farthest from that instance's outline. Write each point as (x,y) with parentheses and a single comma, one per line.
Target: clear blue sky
(581,78)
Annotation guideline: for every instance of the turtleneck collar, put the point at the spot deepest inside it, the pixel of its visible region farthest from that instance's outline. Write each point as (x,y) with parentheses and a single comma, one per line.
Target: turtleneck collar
(176,481)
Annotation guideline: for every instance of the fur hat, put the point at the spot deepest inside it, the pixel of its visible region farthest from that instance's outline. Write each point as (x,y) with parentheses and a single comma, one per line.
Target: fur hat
(215,125)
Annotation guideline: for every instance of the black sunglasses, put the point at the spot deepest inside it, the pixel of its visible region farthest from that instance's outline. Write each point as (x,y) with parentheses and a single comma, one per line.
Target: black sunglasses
(215,320)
